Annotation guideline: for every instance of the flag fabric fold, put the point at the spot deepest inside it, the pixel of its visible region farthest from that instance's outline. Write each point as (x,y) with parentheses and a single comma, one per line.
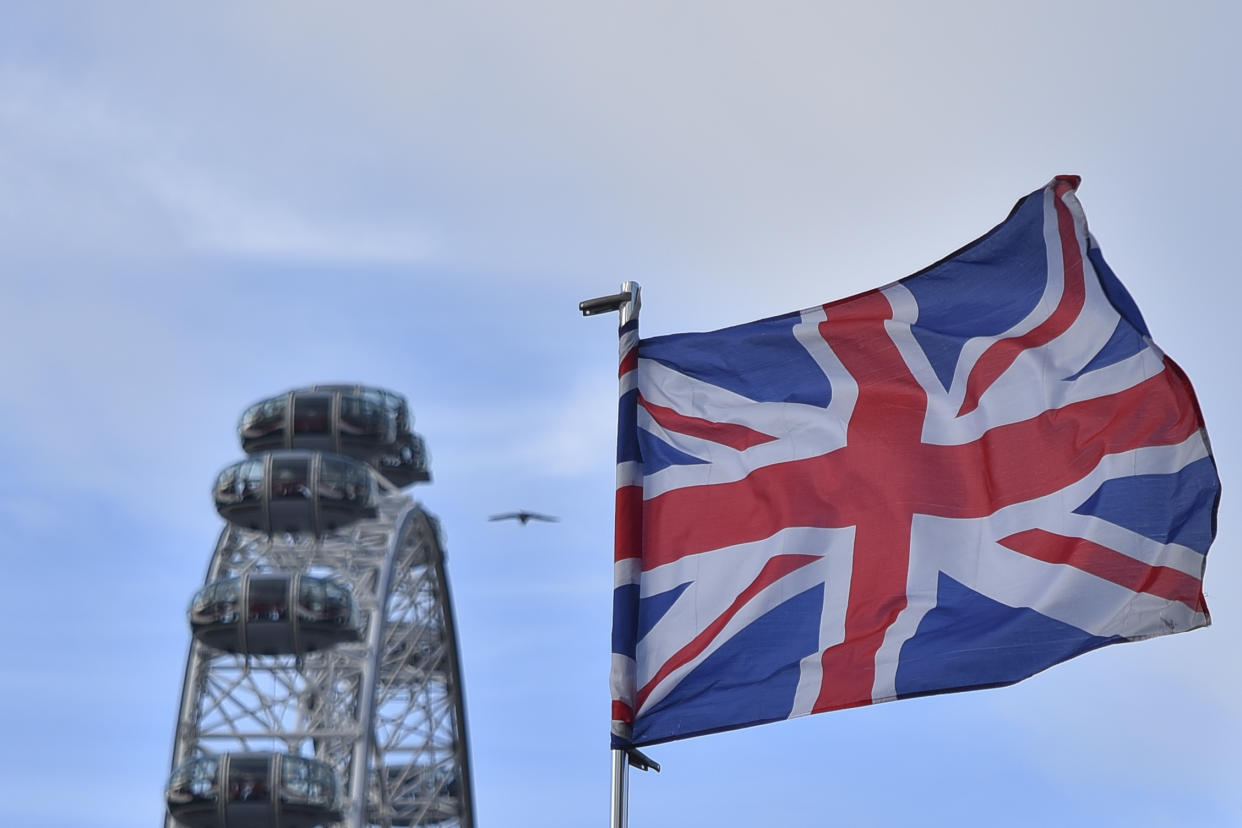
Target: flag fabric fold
(951,482)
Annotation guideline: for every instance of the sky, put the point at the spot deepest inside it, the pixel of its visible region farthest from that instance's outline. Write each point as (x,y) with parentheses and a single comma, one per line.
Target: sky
(202,205)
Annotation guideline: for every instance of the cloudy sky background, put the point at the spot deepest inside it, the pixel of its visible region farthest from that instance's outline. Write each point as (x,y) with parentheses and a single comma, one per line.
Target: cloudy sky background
(201,206)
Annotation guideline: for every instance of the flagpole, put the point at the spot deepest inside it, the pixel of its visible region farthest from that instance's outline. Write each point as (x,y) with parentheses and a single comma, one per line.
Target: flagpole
(627,304)
(619,813)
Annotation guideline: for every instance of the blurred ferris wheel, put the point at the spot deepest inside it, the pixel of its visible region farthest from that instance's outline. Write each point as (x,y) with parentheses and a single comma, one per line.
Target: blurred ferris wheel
(323,685)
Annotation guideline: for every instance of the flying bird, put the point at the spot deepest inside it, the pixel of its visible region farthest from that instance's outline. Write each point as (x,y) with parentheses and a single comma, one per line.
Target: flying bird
(524,517)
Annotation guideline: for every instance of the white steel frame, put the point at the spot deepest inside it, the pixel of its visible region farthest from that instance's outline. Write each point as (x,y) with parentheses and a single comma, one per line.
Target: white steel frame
(387,712)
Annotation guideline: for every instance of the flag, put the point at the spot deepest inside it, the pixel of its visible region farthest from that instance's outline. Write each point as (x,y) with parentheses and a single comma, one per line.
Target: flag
(948,483)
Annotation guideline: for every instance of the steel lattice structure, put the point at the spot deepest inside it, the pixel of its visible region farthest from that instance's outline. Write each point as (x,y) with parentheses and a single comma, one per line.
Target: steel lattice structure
(385,712)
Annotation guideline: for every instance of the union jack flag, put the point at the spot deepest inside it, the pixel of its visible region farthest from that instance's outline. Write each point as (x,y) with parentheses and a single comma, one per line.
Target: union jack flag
(948,483)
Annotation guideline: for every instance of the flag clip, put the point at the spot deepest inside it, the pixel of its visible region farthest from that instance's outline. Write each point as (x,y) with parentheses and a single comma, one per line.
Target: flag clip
(640,760)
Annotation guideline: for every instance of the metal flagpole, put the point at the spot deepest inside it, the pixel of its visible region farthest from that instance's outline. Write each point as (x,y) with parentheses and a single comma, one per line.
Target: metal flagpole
(619,813)
(627,304)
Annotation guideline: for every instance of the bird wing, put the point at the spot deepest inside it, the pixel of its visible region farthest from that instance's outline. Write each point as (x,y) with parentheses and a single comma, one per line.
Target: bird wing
(524,516)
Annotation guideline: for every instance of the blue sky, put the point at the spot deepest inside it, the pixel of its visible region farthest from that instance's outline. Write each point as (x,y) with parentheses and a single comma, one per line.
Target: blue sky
(202,206)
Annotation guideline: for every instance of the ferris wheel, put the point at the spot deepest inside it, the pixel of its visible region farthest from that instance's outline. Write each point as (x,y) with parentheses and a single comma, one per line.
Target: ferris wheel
(323,684)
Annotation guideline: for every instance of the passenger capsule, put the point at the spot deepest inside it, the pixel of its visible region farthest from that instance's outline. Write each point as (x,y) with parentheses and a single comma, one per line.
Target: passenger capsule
(295,491)
(368,424)
(254,790)
(273,614)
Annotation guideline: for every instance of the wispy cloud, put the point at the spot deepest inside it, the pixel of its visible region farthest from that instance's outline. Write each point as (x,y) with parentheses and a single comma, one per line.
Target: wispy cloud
(116,181)
(216,219)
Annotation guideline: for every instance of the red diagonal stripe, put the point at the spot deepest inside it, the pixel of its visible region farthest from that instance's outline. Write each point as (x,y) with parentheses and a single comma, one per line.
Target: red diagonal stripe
(736,437)
(996,359)
(1102,562)
(775,569)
